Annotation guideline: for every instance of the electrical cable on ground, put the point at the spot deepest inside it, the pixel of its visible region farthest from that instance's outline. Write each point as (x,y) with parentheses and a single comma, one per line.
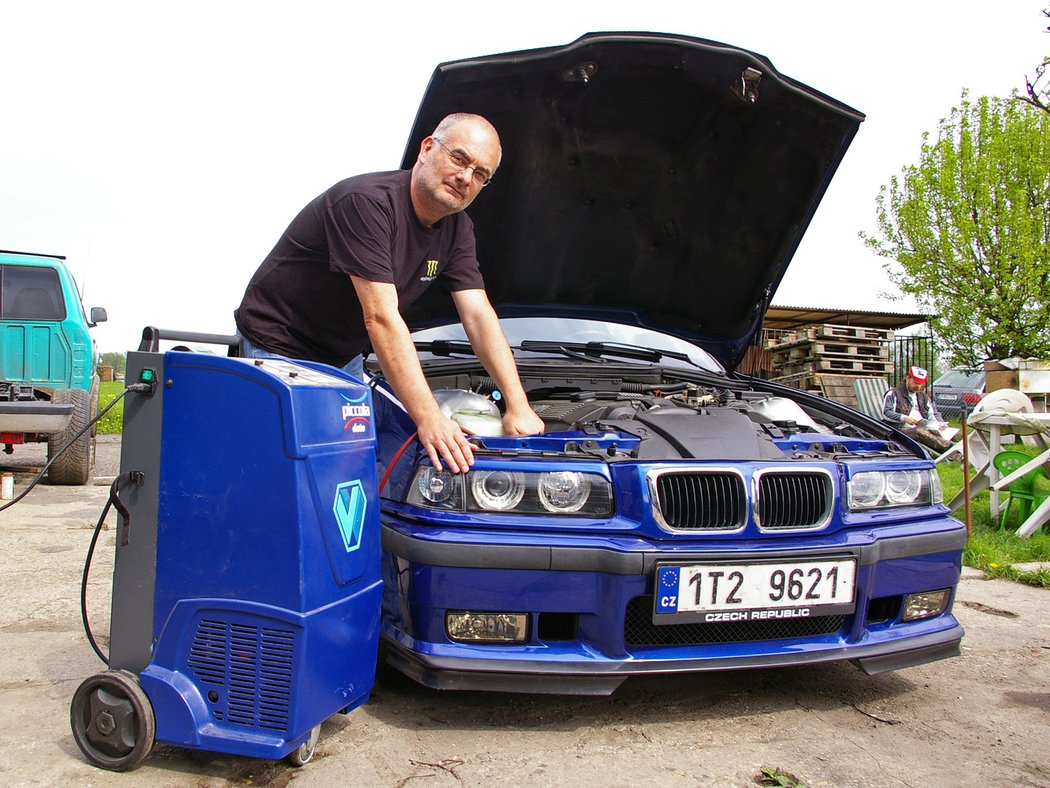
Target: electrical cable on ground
(113,500)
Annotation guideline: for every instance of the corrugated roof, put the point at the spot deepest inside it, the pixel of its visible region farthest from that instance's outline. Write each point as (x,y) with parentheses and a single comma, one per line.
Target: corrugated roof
(789,317)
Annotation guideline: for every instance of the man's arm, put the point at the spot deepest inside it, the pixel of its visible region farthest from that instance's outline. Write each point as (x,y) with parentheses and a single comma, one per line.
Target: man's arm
(931,412)
(488,342)
(442,438)
(889,408)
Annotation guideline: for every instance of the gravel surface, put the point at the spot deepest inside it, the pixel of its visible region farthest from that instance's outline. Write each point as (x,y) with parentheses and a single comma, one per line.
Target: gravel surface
(977,719)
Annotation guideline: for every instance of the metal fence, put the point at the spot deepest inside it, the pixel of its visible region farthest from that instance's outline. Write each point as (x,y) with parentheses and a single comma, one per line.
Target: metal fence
(914,350)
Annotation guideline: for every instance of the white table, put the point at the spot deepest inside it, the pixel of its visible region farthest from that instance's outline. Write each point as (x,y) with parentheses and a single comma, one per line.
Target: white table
(996,424)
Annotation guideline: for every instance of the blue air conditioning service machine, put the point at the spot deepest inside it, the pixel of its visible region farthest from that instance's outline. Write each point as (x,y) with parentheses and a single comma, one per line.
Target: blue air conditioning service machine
(246,585)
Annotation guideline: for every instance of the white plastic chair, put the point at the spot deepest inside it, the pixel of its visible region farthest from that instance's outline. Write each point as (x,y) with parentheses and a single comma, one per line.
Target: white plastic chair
(977,449)
(1004,400)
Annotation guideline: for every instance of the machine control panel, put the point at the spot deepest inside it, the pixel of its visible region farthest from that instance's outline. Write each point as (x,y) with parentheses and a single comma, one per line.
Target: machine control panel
(291,373)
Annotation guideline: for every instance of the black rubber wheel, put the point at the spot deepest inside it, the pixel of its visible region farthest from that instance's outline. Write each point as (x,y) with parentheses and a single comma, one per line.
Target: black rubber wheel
(76,465)
(112,720)
(302,754)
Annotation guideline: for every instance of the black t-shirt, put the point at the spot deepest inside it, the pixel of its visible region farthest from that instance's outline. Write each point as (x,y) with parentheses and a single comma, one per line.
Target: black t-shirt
(301,302)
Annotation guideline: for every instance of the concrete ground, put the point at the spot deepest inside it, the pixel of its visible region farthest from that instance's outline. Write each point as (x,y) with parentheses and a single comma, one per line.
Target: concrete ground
(978,719)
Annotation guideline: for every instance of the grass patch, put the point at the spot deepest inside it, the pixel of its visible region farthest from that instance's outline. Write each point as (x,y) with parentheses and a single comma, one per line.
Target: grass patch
(777,778)
(112,423)
(989,549)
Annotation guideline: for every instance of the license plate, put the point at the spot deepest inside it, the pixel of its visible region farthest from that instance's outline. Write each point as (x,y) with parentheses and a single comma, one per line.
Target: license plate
(754,592)
(948,397)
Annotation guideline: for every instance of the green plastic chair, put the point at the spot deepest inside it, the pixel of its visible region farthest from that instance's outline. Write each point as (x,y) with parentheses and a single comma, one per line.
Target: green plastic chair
(1029,491)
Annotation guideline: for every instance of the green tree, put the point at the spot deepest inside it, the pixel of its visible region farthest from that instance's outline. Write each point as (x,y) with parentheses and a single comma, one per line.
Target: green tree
(966,231)
(116,360)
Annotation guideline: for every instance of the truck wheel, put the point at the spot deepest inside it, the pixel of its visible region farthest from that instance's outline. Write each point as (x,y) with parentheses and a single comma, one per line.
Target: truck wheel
(113,721)
(76,465)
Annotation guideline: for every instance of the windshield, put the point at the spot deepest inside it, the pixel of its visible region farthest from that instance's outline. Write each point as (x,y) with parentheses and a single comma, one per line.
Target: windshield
(525,329)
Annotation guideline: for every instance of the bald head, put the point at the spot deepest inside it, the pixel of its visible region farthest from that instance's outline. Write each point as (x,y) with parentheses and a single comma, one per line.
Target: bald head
(480,124)
(454,164)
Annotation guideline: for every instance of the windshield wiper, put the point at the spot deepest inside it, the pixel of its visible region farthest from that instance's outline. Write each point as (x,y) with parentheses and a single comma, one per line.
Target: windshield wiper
(569,349)
(446,347)
(592,351)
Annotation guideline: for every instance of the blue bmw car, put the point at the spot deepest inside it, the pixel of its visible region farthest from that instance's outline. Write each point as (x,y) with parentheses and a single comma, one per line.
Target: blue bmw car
(674,516)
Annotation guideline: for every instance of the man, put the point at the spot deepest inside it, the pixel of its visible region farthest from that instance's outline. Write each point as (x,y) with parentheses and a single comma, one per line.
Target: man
(370,246)
(909,408)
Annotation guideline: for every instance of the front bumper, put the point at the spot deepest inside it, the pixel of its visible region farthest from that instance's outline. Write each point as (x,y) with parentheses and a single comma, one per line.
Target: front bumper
(599,598)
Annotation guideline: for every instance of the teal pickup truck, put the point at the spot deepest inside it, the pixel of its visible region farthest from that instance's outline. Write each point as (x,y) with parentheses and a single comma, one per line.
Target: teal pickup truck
(49,383)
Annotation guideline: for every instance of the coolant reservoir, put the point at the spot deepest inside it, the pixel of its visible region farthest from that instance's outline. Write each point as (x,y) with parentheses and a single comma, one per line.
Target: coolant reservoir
(475,413)
(782,409)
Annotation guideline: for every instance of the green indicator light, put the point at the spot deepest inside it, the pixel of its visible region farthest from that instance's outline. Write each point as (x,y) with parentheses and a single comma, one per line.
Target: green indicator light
(146,376)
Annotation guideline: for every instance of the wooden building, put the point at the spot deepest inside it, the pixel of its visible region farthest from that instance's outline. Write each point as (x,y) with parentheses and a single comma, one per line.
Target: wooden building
(826,351)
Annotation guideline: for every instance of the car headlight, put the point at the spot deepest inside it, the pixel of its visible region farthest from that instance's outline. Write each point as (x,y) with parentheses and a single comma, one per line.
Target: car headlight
(564,491)
(497,491)
(883,489)
(439,488)
(902,487)
(514,492)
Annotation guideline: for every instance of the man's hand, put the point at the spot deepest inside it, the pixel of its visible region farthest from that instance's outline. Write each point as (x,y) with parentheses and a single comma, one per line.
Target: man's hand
(522,422)
(443,439)
(486,338)
(912,420)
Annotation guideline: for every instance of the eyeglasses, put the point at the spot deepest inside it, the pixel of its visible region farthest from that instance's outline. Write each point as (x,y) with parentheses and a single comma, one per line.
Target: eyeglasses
(482,177)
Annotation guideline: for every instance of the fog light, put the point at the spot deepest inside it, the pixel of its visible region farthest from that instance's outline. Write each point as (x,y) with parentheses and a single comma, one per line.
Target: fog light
(925,605)
(479,627)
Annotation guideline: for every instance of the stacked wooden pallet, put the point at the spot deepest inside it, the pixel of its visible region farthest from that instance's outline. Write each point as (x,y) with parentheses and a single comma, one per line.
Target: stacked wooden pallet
(826,359)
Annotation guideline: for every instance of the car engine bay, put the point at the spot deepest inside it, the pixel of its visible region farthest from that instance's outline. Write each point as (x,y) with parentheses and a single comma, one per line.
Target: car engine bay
(674,417)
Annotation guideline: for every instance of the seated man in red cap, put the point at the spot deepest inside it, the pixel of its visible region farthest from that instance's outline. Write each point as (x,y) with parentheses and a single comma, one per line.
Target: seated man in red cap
(912,411)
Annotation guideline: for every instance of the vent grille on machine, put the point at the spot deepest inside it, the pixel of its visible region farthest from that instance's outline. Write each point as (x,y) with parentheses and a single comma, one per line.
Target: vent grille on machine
(245,671)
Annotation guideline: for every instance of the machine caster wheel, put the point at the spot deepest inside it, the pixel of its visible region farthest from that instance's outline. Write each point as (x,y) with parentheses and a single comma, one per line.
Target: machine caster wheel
(302,754)
(112,720)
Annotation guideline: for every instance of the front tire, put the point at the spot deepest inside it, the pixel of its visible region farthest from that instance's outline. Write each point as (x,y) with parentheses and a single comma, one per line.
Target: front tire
(76,465)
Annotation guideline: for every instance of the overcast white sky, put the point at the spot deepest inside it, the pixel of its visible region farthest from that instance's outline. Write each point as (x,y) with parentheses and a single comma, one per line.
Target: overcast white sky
(163,147)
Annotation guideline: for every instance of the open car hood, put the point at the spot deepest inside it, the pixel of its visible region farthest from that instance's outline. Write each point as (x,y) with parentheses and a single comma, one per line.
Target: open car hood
(648,179)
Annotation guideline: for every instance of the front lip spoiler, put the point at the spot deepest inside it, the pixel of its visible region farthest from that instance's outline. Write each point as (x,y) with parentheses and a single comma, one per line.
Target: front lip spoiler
(603,678)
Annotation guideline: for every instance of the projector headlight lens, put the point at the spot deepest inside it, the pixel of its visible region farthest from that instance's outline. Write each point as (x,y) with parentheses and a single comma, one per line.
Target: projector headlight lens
(497,490)
(903,487)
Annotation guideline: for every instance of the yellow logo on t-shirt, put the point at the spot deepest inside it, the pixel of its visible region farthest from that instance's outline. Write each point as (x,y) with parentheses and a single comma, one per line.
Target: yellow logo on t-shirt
(431,271)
